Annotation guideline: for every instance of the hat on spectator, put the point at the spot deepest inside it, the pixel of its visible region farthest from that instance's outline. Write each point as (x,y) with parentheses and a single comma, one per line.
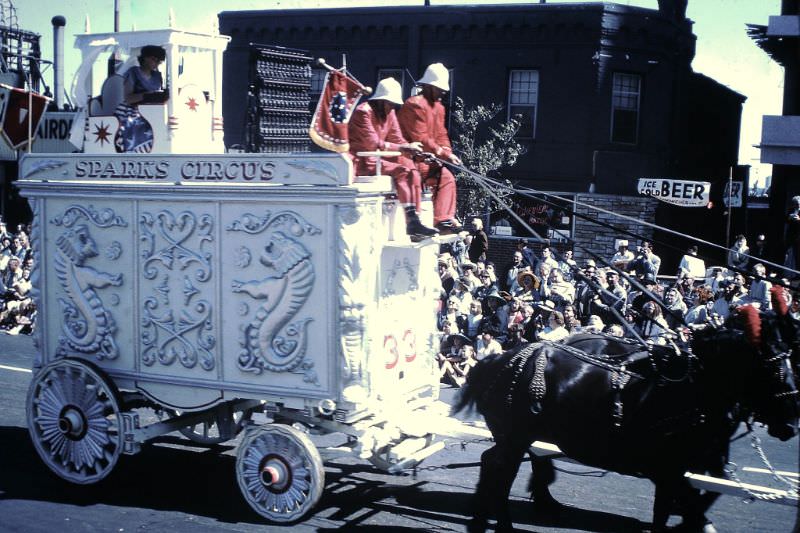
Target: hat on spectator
(528,275)
(468,264)
(496,296)
(591,263)
(445,258)
(546,306)
(622,242)
(461,336)
(465,281)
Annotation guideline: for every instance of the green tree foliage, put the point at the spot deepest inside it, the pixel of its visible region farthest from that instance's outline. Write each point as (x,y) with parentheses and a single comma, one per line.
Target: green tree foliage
(486,144)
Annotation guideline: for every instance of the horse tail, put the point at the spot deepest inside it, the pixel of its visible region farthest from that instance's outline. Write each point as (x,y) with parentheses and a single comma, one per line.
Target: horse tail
(480,381)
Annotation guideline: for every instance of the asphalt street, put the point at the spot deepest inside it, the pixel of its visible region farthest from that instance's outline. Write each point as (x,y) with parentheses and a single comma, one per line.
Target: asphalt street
(173,485)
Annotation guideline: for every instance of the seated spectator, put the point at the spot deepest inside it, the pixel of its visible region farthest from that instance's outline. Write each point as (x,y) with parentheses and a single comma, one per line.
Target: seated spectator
(645,261)
(676,308)
(516,337)
(447,273)
(458,249)
(470,325)
(692,265)
(484,288)
(567,265)
(555,330)
(496,317)
(450,314)
(623,256)
(726,299)
(738,254)
(515,315)
(490,269)
(469,276)
(455,363)
(487,344)
(758,295)
(557,290)
(699,314)
(512,275)
(637,299)
(652,326)
(571,321)
(610,303)
(461,293)
(528,288)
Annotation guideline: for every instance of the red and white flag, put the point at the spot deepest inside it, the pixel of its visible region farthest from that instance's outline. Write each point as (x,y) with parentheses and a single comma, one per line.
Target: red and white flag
(20,112)
(336,103)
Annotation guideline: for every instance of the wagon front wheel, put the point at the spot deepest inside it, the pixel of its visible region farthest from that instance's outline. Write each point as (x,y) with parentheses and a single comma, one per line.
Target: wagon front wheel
(280,472)
(74,421)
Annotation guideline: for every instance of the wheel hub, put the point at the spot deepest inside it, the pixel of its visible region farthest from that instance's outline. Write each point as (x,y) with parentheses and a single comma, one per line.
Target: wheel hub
(72,422)
(275,473)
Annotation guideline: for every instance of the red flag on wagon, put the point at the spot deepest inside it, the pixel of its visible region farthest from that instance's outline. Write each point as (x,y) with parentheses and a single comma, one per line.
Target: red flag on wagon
(336,103)
(21,112)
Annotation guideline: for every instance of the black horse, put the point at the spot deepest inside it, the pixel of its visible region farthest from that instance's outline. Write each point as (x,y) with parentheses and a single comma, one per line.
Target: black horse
(616,405)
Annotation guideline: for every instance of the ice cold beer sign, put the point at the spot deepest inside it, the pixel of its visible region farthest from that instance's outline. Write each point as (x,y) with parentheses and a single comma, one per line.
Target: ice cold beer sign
(677,192)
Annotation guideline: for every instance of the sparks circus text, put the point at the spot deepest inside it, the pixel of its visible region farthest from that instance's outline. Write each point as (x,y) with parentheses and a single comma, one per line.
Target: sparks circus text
(189,170)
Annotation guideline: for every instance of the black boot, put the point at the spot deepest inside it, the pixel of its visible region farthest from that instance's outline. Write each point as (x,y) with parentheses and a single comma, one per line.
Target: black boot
(415,229)
(449,227)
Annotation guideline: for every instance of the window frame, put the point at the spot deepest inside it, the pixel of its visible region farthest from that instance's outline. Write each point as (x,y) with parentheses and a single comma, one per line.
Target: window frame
(614,94)
(534,105)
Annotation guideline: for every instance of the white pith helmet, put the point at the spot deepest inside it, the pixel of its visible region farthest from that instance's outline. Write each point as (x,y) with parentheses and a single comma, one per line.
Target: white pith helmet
(388,89)
(436,75)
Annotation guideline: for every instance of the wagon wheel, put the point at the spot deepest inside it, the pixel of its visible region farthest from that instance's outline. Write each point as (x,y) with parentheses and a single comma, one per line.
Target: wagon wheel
(74,421)
(208,431)
(280,472)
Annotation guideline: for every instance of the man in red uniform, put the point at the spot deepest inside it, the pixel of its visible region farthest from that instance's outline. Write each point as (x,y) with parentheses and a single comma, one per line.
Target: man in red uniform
(373,126)
(422,120)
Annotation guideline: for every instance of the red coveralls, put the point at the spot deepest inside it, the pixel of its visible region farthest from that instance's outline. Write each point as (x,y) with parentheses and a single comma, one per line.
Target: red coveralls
(369,133)
(423,122)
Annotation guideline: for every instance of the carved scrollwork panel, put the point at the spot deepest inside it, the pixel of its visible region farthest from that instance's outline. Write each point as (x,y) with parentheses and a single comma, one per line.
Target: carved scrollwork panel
(177,325)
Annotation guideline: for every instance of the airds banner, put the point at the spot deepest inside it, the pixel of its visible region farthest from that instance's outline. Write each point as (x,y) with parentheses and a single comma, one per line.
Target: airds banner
(677,192)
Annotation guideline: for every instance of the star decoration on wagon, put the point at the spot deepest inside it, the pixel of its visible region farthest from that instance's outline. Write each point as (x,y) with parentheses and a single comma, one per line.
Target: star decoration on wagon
(101,133)
(192,104)
(338,109)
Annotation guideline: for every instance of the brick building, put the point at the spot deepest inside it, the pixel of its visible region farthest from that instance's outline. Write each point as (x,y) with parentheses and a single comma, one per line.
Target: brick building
(606,91)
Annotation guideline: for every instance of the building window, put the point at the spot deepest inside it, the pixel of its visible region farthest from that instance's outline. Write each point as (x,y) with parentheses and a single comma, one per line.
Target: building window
(523,97)
(625,98)
(317,81)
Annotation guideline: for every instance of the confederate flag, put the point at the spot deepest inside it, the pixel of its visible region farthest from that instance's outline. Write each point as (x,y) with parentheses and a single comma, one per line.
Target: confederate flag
(337,102)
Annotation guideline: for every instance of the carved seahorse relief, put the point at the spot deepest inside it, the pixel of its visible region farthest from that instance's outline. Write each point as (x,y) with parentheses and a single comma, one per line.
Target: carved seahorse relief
(271,341)
(88,328)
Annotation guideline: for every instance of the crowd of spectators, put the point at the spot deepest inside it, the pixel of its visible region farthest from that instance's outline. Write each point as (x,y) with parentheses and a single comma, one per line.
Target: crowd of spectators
(545,295)
(17,310)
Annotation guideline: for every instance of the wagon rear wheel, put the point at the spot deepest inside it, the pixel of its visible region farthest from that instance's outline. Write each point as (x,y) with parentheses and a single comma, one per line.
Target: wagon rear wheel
(280,472)
(74,421)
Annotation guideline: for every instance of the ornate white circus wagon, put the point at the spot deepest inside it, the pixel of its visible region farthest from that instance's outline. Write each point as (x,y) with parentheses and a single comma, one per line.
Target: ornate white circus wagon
(206,288)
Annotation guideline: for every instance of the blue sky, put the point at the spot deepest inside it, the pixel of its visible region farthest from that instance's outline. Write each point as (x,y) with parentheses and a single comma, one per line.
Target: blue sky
(724,51)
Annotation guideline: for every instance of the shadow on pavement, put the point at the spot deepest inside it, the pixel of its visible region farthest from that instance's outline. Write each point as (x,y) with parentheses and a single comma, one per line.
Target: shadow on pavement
(203,483)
